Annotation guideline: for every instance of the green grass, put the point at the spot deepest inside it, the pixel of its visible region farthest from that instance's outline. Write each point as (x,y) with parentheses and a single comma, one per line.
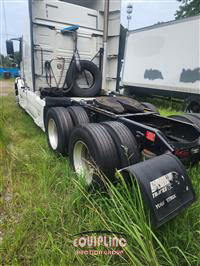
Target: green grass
(42,203)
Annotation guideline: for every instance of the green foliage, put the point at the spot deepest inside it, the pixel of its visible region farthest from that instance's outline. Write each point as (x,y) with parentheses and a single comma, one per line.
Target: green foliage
(188,8)
(5,61)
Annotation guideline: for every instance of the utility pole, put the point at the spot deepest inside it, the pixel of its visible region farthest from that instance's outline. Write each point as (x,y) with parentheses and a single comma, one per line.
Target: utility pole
(105,40)
(129,10)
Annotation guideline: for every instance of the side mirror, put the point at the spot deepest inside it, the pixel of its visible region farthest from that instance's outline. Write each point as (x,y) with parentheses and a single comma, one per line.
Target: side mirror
(10,48)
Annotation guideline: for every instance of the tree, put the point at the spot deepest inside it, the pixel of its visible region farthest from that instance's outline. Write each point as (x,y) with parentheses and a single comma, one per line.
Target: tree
(5,61)
(188,8)
(16,59)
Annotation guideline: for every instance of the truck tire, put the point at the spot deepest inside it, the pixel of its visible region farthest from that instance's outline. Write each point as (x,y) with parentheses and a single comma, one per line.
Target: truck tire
(72,76)
(59,126)
(193,107)
(188,118)
(78,115)
(150,106)
(181,118)
(91,148)
(196,115)
(194,119)
(125,143)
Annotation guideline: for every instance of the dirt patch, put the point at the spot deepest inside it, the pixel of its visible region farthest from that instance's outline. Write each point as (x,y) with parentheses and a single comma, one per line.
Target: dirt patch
(6,87)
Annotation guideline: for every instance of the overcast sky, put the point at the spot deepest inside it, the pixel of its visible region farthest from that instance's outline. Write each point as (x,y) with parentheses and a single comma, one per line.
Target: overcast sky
(145,13)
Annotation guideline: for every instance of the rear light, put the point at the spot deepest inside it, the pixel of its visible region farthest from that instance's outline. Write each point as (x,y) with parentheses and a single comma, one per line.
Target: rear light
(182,153)
(150,136)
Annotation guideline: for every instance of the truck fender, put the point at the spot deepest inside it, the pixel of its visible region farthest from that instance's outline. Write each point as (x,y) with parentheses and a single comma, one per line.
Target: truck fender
(164,185)
(193,104)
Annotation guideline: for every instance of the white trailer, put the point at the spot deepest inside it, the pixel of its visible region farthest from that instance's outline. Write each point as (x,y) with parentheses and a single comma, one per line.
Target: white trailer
(164,59)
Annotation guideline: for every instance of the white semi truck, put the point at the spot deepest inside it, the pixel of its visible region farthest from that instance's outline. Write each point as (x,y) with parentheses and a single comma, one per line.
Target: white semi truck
(164,60)
(69,59)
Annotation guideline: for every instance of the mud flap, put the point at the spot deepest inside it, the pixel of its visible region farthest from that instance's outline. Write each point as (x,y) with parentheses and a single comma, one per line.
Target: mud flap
(165,186)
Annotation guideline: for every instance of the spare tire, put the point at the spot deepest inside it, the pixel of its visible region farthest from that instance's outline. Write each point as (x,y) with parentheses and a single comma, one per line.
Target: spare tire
(79,115)
(58,126)
(89,73)
(125,143)
(91,148)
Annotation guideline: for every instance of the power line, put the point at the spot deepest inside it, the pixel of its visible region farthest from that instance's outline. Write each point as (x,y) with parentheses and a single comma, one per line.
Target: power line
(5,21)
(8,34)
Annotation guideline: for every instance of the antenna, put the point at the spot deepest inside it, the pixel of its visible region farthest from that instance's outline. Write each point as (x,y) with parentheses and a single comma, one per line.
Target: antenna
(5,21)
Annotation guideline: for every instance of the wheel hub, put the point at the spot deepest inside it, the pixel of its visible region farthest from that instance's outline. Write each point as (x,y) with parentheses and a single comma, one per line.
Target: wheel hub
(82,161)
(53,134)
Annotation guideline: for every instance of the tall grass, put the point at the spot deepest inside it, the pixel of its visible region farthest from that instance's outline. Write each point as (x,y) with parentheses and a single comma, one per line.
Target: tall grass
(43,203)
(123,211)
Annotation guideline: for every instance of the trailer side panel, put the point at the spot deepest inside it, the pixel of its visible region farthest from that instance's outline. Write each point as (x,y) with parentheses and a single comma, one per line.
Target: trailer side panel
(164,59)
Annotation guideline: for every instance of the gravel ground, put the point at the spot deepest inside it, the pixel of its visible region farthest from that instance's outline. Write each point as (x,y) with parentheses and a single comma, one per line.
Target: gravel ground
(6,87)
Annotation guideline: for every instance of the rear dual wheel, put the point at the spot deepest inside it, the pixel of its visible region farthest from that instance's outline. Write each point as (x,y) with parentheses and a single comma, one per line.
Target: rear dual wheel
(125,143)
(58,129)
(60,122)
(93,153)
(97,150)
(79,115)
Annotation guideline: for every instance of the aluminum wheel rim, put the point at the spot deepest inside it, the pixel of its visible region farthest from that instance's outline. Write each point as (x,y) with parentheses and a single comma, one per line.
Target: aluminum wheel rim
(53,134)
(82,161)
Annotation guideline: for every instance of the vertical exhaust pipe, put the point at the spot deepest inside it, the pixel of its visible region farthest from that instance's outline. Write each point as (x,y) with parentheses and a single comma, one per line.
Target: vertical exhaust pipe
(105,40)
